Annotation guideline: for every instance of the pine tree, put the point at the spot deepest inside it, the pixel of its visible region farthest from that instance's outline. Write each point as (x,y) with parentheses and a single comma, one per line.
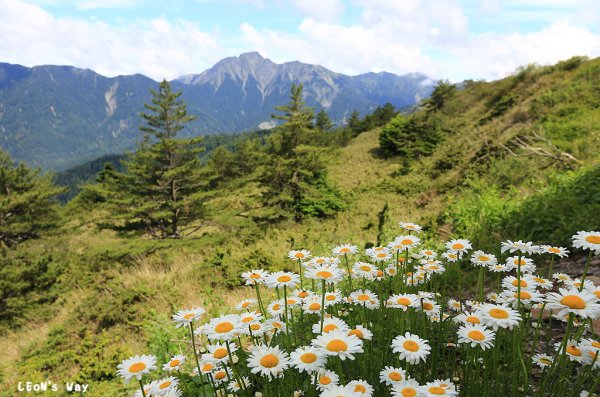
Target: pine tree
(355,123)
(27,207)
(298,123)
(161,189)
(323,121)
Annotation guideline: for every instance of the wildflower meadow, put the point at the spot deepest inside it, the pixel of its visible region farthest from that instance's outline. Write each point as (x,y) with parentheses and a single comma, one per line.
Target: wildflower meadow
(401,319)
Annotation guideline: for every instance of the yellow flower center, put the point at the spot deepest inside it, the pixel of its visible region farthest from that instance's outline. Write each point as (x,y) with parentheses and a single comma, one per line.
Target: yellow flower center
(324,380)
(574,351)
(434,267)
(476,335)
(520,263)
(379,273)
(357,332)
(546,361)
(408,392)
(363,297)
(395,376)
(597,293)
(523,295)
(596,344)
(255,276)
(330,298)
(324,274)
(224,327)
(220,353)
(220,375)
(308,358)
(365,268)
(406,241)
(247,319)
(164,385)
(457,246)
(427,306)
(411,345)
(299,255)
(314,306)
(554,250)
(438,391)
(337,345)
(403,301)
(283,279)
(174,363)
(329,328)
(302,294)
(188,316)
(360,389)
(473,320)
(254,327)
(137,367)
(515,283)
(573,302)
(207,367)
(498,313)
(345,250)
(269,361)
(381,255)
(276,306)
(484,258)
(593,239)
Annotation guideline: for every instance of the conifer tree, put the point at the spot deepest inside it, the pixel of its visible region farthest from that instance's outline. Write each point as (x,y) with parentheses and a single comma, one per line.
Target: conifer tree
(27,207)
(161,189)
(323,121)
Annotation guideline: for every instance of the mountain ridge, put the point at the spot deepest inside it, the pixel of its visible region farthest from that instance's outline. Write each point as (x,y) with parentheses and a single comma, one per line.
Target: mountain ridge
(57,117)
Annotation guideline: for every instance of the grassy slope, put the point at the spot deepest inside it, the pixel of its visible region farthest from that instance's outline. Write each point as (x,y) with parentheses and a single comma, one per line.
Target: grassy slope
(115,293)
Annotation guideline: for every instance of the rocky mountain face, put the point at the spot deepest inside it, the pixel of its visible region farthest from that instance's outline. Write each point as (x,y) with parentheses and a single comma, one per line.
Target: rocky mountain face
(59,116)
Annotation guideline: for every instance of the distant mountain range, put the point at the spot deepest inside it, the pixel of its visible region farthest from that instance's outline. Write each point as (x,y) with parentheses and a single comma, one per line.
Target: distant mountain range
(57,117)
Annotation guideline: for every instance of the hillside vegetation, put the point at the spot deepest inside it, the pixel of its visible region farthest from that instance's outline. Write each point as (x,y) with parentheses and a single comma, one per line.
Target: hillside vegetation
(513,159)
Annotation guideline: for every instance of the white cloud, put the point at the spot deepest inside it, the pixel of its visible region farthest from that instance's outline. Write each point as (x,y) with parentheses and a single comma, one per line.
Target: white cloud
(95,4)
(323,10)
(157,48)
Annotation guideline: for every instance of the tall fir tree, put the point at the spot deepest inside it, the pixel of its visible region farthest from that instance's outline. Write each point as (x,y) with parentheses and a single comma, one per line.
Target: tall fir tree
(298,124)
(323,121)
(161,189)
(27,205)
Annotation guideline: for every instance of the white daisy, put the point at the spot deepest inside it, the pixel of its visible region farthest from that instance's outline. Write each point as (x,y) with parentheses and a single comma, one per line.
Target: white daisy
(581,303)
(391,375)
(411,348)
(223,328)
(221,375)
(250,317)
(572,350)
(558,251)
(361,332)
(299,255)
(274,324)
(520,246)
(332,298)
(406,242)
(345,249)
(330,324)
(136,367)
(469,318)
(410,227)
(162,385)
(361,388)
(217,352)
(281,279)
(406,388)
(256,276)
(339,391)
(524,265)
(276,308)
(542,360)
(527,298)
(458,246)
(428,253)
(308,358)
(174,364)
(499,316)
(338,343)
(364,270)
(268,361)
(588,241)
(450,256)
(476,335)
(366,298)
(246,304)
(186,317)
(480,258)
(326,379)
(234,386)
(402,301)
(312,304)
(327,273)
(562,277)
(438,388)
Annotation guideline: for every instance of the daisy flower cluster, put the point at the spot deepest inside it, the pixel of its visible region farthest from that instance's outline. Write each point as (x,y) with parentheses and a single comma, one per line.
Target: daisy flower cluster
(400,319)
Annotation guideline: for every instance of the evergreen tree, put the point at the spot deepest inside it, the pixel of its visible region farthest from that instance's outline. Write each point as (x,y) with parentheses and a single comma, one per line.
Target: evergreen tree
(294,179)
(443,91)
(323,121)
(355,124)
(27,205)
(161,189)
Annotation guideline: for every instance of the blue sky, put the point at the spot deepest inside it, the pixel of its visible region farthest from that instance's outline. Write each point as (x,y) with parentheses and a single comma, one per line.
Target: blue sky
(450,39)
